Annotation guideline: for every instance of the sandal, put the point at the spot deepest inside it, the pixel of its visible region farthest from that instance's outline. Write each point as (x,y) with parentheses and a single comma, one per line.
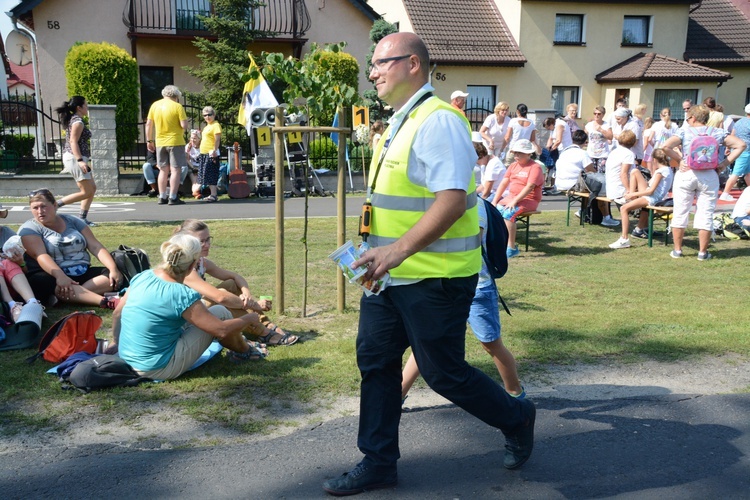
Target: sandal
(255,353)
(210,199)
(286,338)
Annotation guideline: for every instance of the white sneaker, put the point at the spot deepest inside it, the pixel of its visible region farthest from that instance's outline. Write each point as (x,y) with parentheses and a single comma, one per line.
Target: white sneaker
(726,197)
(620,243)
(620,201)
(608,221)
(578,214)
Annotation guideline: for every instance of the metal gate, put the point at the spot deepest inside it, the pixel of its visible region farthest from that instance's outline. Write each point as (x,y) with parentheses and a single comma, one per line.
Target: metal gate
(30,138)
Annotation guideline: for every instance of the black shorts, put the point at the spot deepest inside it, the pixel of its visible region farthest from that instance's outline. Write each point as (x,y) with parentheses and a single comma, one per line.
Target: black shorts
(43,284)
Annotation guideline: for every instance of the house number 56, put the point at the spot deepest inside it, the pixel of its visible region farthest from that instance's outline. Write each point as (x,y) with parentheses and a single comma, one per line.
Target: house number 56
(53,25)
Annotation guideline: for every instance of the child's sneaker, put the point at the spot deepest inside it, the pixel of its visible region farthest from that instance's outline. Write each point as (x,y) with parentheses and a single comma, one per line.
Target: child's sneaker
(512,252)
(620,243)
(608,221)
(640,233)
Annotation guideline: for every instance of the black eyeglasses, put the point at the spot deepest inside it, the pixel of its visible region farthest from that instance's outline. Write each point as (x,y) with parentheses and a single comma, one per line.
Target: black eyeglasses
(43,192)
(379,64)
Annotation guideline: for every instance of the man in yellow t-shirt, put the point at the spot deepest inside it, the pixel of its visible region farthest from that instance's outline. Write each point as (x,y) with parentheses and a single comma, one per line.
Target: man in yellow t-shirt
(165,134)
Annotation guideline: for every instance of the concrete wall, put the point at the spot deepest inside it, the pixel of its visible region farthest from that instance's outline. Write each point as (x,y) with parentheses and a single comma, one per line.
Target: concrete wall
(58,25)
(733,94)
(339,21)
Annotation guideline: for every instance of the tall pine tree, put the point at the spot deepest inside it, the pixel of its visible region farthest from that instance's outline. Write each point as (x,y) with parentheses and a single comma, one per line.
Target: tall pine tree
(380,29)
(224,60)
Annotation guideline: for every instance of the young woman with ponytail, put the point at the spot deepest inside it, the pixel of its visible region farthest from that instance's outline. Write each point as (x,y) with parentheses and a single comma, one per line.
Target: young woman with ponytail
(77,154)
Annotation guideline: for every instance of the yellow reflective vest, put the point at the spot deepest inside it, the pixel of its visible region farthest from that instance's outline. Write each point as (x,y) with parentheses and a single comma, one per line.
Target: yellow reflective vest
(398,204)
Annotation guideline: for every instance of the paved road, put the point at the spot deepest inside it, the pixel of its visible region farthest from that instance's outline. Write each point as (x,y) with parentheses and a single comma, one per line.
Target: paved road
(146,209)
(654,445)
(662,447)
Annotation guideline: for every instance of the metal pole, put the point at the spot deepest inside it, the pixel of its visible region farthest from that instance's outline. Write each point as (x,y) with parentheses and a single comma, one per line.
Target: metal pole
(341,206)
(278,141)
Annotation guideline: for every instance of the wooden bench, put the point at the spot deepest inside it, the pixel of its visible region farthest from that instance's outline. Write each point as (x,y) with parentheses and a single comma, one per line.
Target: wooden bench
(663,214)
(583,199)
(524,220)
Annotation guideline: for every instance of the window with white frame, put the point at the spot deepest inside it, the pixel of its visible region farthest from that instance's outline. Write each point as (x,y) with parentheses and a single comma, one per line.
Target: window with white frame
(636,30)
(569,29)
(673,99)
(562,96)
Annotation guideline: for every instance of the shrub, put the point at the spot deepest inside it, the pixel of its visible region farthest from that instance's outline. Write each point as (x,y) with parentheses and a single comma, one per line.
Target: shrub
(104,73)
(355,157)
(21,144)
(323,153)
(343,68)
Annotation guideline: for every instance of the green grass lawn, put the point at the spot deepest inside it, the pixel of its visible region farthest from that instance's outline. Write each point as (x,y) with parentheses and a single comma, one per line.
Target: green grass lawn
(573,300)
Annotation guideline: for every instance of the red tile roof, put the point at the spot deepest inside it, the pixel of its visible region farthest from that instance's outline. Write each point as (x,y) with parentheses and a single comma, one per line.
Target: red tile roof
(453,37)
(656,67)
(719,32)
(21,74)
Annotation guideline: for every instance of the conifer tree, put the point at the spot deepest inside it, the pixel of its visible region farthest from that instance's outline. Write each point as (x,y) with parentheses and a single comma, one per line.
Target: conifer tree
(225,60)
(380,29)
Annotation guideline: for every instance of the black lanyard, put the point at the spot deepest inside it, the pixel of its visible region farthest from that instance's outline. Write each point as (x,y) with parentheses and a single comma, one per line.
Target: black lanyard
(389,141)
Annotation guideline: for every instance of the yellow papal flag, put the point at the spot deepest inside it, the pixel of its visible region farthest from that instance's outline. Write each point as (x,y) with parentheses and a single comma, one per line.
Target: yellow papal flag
(256,94)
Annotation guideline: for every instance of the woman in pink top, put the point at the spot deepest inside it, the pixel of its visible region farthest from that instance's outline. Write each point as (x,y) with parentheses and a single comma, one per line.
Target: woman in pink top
(524,179)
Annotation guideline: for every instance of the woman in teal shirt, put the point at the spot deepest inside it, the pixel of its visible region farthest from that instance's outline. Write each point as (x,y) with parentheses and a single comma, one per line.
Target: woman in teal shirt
(161,327)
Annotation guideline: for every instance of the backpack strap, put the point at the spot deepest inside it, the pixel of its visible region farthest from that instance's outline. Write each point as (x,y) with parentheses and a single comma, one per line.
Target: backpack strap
(505,306)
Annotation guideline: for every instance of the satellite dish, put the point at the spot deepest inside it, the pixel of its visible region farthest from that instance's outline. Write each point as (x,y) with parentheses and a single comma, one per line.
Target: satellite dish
(18,48)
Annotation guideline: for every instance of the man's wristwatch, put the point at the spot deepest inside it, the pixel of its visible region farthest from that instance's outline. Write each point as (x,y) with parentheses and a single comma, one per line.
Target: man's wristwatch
(149,141)
(79,159)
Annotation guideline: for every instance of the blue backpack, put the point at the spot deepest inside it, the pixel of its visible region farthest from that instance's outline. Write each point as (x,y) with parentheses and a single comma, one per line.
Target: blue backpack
(494,249)
(495,246)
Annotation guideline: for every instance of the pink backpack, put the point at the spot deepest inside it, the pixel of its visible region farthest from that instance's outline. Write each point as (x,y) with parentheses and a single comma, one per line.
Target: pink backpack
(704,152)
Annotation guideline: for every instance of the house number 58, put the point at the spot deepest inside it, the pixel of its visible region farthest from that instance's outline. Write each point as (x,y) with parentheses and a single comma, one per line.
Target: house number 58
(53,25)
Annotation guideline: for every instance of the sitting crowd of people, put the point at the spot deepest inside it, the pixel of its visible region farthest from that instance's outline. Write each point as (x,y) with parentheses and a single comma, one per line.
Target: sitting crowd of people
(166,317)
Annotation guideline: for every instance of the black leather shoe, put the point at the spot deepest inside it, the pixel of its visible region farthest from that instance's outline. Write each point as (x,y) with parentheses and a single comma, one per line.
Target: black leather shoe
(519,444)
(361,478)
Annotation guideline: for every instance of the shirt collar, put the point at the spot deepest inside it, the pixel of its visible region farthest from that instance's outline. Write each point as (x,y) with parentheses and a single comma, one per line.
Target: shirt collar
(398,116)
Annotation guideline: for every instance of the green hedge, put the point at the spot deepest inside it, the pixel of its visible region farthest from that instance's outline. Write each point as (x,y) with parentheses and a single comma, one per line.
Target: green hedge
(22,144)
(323,153)
(104,73)
(343,68)
(355,157)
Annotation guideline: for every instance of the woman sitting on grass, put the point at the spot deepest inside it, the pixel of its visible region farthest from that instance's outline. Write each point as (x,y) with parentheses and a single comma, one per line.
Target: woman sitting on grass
(233,292)
(161,327)
(643,194)
(58,257)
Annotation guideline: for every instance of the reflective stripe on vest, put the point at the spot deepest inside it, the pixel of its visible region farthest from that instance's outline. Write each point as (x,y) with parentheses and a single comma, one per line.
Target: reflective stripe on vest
(398,204)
